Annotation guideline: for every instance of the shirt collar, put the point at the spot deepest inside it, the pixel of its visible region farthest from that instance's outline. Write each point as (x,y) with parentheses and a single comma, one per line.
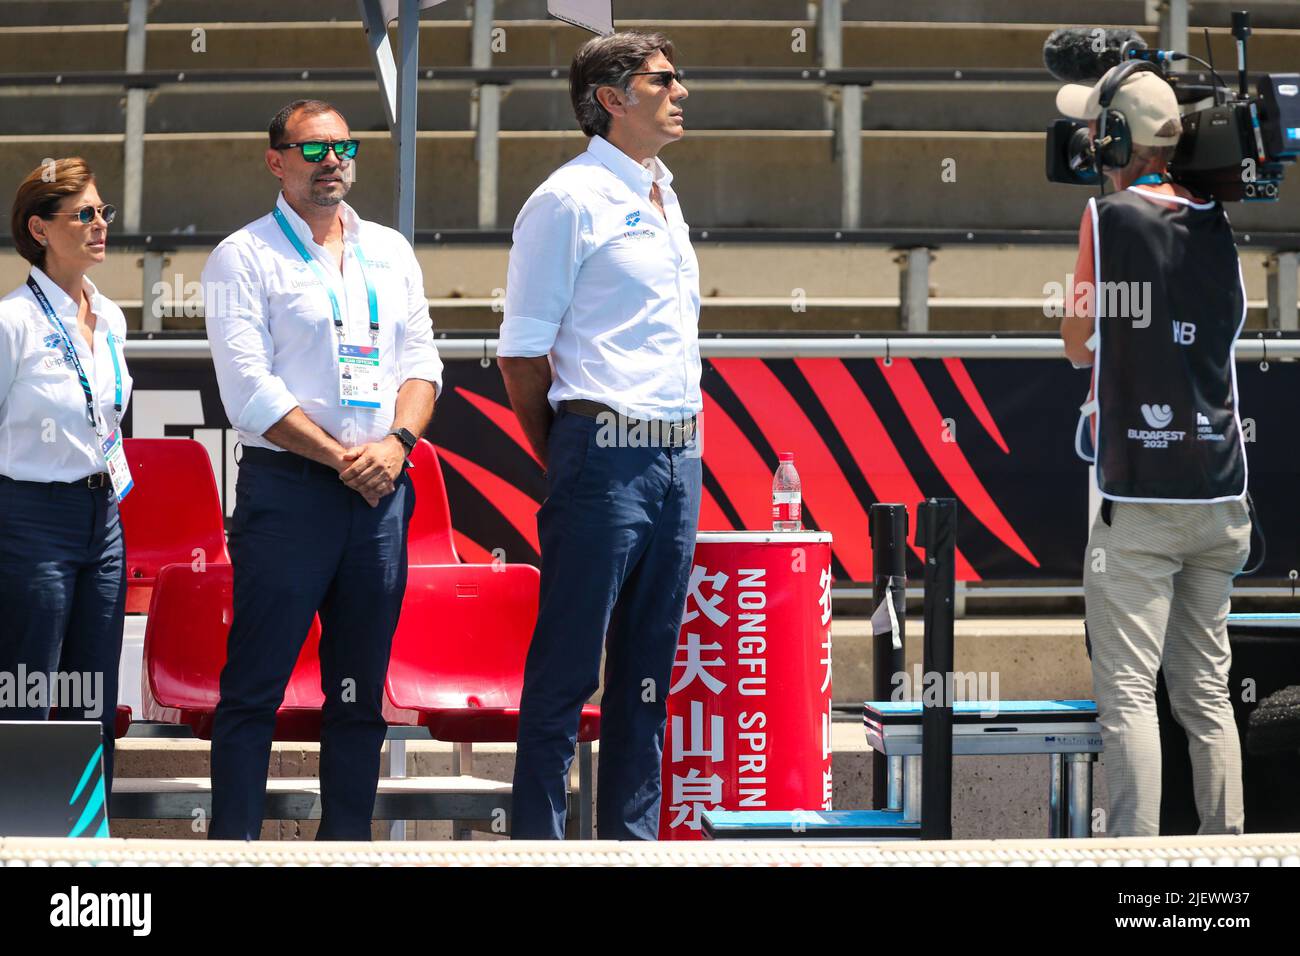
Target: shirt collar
(351,221)
(637,177)
(59,300)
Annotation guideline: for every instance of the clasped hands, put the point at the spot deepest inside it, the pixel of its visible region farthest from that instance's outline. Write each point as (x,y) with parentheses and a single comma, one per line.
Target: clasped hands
(371,470)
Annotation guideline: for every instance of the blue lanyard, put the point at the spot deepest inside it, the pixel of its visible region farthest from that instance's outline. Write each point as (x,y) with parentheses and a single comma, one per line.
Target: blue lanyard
(308,258)
(76,361)
(1150,179)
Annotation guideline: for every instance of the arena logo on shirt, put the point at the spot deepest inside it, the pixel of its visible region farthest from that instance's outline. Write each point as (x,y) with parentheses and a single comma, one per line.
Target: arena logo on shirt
(632,218)
(60,359)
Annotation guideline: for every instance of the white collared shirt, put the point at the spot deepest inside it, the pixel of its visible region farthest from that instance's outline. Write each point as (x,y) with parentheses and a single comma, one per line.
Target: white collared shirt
(271,326)
(600,282)
(45,433)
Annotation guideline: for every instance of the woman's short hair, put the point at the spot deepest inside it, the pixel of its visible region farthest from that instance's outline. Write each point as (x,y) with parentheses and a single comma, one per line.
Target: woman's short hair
(39,194)
(609,61)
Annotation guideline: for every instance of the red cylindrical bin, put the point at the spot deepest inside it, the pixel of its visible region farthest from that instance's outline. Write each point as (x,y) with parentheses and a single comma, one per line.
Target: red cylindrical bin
(749,707)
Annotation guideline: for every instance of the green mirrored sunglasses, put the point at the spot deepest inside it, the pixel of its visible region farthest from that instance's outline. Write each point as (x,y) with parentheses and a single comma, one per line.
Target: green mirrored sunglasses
(314,150)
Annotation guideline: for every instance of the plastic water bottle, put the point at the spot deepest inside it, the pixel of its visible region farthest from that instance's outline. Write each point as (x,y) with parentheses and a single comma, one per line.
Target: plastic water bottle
(786,496)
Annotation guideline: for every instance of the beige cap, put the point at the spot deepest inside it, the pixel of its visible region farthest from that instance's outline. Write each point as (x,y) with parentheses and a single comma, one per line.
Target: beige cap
(1146,101)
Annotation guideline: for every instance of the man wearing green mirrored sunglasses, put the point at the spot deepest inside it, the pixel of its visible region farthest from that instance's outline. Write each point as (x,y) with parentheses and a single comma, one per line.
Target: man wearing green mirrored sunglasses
(326,364)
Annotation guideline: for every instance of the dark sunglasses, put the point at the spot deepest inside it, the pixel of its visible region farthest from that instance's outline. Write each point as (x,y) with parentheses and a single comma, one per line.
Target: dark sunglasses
(86,214)
(314,150)
(666,77)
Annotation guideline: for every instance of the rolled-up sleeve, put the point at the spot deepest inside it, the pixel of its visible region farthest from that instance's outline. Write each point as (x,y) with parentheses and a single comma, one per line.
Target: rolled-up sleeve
(235,313)
(544,263)
(418,356)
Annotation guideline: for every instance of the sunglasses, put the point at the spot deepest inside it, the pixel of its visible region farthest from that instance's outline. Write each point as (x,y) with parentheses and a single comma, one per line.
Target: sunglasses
(666,77)
(86,214)
(314,150)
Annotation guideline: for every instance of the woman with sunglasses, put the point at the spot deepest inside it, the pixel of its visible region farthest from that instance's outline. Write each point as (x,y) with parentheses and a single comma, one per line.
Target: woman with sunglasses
(63,389)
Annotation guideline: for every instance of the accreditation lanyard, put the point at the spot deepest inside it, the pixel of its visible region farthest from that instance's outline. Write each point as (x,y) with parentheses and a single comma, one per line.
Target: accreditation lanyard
(1150,179)
(76,361)
(315,266)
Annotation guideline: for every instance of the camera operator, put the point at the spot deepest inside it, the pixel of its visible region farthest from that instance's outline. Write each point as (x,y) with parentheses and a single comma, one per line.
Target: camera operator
(1158,305)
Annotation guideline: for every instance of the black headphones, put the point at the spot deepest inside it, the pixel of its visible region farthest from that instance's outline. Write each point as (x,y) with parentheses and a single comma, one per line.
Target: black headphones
(1114,142)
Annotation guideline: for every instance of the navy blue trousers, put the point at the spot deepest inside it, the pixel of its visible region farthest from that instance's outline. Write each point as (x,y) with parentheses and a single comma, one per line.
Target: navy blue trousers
(300,542)
(62,600)
(617,534)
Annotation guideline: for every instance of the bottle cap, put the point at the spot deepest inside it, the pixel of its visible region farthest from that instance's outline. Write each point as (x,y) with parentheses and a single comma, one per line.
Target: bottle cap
(785,456)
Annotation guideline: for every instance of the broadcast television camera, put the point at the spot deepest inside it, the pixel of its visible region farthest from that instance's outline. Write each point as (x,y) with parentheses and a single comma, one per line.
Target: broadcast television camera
(1234,145)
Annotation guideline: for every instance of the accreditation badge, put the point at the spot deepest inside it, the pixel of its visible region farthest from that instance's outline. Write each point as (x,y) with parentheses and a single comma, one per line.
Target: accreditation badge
(119,472)
(359,378)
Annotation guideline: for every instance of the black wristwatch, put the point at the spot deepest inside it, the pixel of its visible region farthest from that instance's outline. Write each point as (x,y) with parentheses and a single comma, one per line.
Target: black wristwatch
(406,438)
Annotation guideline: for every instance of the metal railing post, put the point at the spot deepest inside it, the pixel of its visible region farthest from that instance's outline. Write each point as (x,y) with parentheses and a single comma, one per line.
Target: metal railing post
(151,276)
(408,69)
(850,132)
(1281,268)
(830,45)
(914,288)
(487,118)
(136,101)
(1172,16)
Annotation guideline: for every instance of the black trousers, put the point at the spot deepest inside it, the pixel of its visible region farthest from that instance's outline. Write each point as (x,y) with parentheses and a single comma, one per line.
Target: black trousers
(301,542)
(62,602)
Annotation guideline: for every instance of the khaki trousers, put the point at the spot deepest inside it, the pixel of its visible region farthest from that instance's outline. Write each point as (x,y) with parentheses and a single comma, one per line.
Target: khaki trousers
(1157,582)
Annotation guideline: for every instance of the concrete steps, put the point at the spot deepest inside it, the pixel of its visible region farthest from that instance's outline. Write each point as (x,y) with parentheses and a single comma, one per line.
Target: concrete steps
(1265,13)
(209,108)
(200,182)
(223,44)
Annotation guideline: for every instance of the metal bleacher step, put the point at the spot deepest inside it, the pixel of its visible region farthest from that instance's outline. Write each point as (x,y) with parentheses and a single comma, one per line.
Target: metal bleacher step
(996,182)
(1267,13)
(463,798)
(309,45)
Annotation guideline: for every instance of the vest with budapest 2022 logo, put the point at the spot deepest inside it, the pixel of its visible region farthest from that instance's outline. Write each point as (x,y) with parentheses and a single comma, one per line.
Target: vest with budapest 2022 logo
(1165,422)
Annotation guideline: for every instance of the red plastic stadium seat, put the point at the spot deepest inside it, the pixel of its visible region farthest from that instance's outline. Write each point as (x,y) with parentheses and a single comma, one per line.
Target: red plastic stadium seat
(429,538)
(173,510)
(185,649)
(458,654)
(123,721)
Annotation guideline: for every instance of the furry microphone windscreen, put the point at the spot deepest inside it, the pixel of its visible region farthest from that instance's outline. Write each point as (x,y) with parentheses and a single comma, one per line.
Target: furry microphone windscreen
(1084,54)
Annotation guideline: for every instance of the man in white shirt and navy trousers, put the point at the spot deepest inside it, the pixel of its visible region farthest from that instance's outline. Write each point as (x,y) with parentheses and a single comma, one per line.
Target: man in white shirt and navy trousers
(600,336)
(292,301)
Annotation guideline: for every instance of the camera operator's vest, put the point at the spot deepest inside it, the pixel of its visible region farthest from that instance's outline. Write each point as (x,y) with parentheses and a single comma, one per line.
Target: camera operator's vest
(1169,303)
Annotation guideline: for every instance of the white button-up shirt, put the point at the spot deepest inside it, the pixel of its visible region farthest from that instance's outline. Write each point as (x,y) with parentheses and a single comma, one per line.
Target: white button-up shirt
(271,326)
(45,433)
(609,289)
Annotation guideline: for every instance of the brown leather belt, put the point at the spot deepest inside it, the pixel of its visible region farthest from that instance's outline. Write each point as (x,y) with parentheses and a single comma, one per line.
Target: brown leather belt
(671,433)
(100,480)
